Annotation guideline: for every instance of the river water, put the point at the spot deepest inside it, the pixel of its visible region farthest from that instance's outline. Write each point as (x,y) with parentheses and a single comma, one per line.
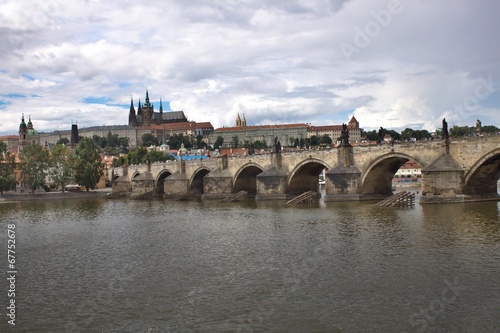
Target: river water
(98,265)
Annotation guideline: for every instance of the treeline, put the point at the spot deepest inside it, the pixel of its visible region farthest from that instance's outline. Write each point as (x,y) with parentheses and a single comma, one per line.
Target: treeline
(64,165)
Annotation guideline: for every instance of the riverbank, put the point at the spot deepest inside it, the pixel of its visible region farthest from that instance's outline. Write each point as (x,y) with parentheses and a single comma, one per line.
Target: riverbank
(17,196)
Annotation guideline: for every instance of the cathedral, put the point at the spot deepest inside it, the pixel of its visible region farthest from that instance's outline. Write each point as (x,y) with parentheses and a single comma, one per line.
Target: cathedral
(146,115)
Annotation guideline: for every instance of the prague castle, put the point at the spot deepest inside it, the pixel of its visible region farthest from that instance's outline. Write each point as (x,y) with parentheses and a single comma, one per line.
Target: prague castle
(147,116)
(164,124)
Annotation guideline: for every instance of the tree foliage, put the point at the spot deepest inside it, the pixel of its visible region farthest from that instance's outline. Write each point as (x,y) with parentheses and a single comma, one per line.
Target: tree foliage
(218,142)
(235,142)
(325,139)
(35,162)
(63,163)
(149,139)
(7,166)
(89,168)
(176,140)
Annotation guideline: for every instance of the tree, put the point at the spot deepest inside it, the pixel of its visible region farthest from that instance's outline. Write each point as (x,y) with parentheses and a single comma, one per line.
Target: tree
(7,166)
(35,162)
(325,139)
(62,141)
(461,131)
(490,129)
(235,142)
(218,142)
(199,142)
(149,139)
(88,167)
(313,140)
(137,156)
(63,162)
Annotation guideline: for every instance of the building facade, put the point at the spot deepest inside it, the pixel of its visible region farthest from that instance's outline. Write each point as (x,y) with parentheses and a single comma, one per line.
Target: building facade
(285,133)
(334,131)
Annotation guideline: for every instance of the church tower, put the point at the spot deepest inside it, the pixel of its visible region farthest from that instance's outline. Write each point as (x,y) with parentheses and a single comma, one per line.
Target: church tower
(238,120)
(244,121)
(23,133)
(132,120)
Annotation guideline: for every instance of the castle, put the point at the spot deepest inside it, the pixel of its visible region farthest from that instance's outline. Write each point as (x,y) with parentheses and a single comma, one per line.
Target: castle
(146,115)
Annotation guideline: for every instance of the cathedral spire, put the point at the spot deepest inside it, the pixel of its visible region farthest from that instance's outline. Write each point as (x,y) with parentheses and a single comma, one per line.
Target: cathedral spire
(161,107)
(132,120)
(139,109)
(146,104)
(244,121)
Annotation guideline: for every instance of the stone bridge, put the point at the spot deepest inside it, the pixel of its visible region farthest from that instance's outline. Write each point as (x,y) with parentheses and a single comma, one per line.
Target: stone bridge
(452,171)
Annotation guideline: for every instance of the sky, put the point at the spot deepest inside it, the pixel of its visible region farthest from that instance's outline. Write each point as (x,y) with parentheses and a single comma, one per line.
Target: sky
(390,63)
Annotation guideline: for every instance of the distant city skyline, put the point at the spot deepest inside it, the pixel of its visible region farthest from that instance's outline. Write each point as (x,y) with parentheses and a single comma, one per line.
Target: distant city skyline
(390,63)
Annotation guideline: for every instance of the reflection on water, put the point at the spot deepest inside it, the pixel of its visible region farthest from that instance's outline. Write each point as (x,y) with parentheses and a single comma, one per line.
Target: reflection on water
(160,266)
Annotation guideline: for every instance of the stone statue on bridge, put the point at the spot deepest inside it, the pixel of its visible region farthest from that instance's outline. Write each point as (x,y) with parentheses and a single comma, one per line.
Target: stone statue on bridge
(277,145)
(478,127)
(344,136)
(445,133)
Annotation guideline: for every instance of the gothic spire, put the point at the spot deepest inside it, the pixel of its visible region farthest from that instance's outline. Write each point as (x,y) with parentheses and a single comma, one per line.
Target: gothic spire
(132,120)
(139,109)
(161,107)
(146,104)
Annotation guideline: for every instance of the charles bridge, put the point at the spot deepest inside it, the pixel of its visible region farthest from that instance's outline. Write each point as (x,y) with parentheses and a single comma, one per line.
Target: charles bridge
(452,171)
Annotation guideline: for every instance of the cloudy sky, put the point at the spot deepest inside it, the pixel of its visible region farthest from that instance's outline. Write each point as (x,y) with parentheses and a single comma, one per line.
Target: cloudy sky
(390,63)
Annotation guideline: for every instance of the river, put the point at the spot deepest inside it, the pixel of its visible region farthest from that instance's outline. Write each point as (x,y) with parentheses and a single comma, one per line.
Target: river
(97,265)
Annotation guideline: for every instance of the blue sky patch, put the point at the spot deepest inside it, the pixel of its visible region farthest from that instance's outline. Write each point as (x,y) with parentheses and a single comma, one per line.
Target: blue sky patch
(13,95)
(28,77)
(96,100)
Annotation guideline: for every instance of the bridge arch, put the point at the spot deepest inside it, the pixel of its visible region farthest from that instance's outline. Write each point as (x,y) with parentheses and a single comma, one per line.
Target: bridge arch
(245,178)
(196,181)
(160,181)
(305,176)
(135,174)
(483,176)
(377,179)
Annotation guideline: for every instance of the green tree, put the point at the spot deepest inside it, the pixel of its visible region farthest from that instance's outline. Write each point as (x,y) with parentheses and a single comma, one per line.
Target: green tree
(371,135)
(62,141)
(35,162)
(137,156)
(218,142)
(313,140)
(177,140)
(89,168)
(461,131)
(7,166)
(63,162)
(325,139)
(149,139)
(490,129)
(99,140)
(235,142)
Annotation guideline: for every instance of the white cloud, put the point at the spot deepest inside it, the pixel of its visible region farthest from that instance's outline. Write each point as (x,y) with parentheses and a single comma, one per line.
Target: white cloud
(275,62)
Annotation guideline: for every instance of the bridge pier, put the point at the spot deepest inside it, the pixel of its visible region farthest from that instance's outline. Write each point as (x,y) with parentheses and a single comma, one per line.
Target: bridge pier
(442,181)
(341,183)
(218,183)
(142,185)
(122,186)
(175,185)
(271,184)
